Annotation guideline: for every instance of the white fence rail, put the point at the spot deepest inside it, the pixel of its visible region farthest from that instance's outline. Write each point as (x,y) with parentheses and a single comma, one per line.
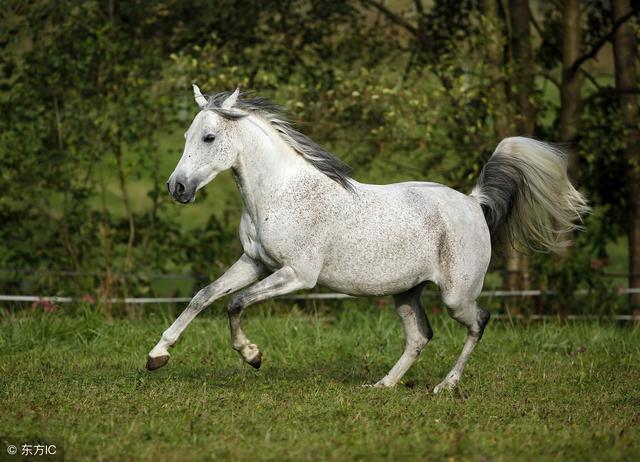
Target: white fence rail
(309,296)
(334,296)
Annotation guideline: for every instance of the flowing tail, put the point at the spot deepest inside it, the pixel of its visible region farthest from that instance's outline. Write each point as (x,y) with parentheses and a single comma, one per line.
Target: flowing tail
(526,196)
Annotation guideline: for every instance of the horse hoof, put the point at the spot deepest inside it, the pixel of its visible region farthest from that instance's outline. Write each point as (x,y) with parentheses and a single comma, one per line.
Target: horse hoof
(256,361)
(383,384)
(444,386)
(157,363)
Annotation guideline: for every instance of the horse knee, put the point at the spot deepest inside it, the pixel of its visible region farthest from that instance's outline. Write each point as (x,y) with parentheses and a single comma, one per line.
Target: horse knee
(419,339)
(199,300)
(236,305)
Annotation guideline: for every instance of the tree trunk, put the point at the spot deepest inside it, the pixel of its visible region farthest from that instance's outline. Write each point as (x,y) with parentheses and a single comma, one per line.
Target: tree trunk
(517,264)
(625,49)
(570,88)
(520,18)
(570,98)
(128,259)
(496,41)
(504,117)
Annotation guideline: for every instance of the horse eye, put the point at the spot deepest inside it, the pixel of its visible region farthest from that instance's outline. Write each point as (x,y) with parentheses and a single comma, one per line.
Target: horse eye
(209,138)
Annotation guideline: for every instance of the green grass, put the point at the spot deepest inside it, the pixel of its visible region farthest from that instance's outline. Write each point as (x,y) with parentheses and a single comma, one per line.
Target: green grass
(538,392)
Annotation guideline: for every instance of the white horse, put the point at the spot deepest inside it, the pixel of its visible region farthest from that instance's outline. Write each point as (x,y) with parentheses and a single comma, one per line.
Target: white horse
(306,222)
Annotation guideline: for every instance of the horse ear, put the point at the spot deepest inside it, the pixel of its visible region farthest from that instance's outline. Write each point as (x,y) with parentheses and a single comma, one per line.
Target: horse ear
(200,98)
(231,100)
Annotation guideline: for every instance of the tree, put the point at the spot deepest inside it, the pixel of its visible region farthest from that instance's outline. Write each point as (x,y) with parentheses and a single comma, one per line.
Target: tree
(625,52)
(522,57)
(516,262)
(570,88)
(497,37)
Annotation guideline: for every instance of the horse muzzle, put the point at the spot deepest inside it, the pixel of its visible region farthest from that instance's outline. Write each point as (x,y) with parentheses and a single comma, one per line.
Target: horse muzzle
(181,189)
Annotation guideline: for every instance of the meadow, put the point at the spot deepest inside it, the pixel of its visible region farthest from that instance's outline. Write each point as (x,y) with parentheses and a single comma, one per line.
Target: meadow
(542,391)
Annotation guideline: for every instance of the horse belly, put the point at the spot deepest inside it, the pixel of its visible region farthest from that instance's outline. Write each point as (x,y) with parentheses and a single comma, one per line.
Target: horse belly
(354,285)
(388,261)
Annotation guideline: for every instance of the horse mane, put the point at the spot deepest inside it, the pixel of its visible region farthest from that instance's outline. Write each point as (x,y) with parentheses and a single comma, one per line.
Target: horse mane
(317,156)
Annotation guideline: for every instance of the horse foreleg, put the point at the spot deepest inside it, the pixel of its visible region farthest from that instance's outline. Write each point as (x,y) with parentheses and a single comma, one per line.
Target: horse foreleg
(281,282)
(242,273)
(417,331)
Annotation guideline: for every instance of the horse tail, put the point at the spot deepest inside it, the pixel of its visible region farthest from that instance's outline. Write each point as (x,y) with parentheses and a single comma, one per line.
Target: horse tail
(526,196)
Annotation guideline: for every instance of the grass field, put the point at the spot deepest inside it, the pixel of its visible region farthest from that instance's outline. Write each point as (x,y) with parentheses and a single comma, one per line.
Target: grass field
(538,392)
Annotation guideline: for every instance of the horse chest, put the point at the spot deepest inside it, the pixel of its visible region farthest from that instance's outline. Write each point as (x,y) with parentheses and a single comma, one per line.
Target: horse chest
(253,245)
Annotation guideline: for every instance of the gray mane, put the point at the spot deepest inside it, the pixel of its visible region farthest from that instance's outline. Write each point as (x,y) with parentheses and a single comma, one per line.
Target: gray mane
(321,159)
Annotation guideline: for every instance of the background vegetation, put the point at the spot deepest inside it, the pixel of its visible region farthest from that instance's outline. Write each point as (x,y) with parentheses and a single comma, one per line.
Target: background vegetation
(94,97)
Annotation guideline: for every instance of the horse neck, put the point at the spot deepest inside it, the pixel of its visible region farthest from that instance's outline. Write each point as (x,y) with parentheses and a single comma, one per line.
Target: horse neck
(265,163)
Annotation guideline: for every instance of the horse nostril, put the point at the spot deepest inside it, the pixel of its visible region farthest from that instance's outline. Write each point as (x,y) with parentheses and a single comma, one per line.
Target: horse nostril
(168,187)
(179,188)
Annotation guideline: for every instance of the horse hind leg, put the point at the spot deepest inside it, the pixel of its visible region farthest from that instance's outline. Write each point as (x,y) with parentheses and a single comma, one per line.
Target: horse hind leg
(467,312)
(417,331)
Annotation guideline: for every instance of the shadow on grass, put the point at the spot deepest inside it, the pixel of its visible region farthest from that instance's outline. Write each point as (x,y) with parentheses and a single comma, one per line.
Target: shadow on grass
(325,373)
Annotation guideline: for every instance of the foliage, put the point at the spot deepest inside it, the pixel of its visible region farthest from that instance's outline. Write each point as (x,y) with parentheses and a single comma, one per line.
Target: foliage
(89,98)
